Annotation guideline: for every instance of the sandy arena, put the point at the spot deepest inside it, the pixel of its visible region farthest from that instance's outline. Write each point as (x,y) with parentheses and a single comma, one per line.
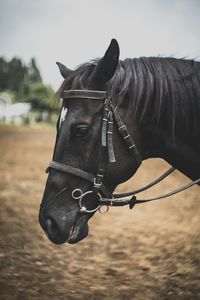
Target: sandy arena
(150,252)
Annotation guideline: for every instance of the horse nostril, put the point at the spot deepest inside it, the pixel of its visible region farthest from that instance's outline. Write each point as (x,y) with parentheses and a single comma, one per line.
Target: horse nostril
(52,227)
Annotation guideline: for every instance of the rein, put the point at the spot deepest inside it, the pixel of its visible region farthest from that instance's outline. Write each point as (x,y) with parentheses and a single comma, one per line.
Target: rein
(102,194)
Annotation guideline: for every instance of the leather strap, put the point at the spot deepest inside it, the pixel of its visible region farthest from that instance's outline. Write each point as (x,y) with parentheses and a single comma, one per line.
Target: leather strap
(76,172)
(84,94)
(71,170)
(134,201)
(111,153)
(146,187)
(127,138)
(105,124)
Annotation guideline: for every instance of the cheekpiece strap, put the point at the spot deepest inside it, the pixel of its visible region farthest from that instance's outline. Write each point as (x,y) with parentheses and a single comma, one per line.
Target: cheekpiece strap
(111,153)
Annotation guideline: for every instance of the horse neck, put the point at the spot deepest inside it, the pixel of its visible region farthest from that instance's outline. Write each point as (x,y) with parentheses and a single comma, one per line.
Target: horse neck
(164,103)
(178,152)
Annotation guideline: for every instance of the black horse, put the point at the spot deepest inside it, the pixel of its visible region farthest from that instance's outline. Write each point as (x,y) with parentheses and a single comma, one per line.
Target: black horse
(157,99)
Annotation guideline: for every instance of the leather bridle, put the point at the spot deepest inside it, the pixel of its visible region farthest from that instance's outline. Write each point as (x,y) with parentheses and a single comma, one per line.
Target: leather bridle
(99,190)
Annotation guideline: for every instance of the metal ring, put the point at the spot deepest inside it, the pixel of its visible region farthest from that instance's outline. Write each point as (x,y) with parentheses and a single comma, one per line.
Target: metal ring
(83,208)
(80,194)
(103,212)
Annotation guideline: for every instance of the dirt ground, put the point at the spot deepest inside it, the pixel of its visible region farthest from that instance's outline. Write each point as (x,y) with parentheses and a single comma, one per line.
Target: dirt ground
(150,252)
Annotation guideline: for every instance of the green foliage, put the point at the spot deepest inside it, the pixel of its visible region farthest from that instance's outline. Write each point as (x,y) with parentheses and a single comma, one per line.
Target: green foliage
(25,84)
(9,96)
(12,74)
(39,95)
(33,72)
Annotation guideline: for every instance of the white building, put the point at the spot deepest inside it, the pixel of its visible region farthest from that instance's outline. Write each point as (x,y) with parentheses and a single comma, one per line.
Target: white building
(13,113)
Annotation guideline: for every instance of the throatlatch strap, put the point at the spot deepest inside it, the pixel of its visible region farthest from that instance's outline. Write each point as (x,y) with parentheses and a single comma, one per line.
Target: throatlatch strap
(127,138)
(107,131)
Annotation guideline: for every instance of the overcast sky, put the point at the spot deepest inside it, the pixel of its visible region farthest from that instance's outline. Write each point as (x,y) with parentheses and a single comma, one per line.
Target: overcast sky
(76,31)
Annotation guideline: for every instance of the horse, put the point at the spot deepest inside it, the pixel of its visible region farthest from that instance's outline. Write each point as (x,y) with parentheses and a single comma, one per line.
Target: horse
(115,114)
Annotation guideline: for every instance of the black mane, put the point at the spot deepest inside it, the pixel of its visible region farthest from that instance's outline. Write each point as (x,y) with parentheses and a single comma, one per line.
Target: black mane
(162,91)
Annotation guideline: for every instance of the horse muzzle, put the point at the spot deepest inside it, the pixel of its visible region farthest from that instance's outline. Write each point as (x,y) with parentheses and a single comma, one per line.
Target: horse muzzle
(61,227)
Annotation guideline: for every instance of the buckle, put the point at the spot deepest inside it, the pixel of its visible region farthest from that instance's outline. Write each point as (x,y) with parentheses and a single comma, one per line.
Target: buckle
(123,127)
(96,183)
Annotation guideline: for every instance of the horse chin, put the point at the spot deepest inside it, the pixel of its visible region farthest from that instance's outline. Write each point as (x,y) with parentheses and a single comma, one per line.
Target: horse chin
(78,232)
(74,231)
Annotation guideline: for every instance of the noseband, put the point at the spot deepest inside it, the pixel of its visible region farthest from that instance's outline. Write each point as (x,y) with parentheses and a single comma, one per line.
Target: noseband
(98,190)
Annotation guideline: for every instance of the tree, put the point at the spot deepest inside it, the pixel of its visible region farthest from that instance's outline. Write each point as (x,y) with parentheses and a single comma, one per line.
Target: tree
(40,96)
(33,72)
(12,74)
(4,69)
(25,84)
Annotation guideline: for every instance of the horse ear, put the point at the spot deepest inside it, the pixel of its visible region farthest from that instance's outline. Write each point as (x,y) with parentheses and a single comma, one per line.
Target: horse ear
(64,71)
(107,66)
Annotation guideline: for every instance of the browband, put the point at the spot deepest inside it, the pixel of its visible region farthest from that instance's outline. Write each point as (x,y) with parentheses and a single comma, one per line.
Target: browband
(83,94)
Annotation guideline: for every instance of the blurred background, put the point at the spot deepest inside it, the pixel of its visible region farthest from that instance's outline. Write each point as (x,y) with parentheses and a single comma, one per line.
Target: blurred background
(151,252)
(36,34)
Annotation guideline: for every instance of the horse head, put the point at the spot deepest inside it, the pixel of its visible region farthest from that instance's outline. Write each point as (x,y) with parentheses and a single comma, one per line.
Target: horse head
(78,148)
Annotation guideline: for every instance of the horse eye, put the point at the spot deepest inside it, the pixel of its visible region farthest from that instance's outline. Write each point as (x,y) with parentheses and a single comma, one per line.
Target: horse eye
(81,130)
